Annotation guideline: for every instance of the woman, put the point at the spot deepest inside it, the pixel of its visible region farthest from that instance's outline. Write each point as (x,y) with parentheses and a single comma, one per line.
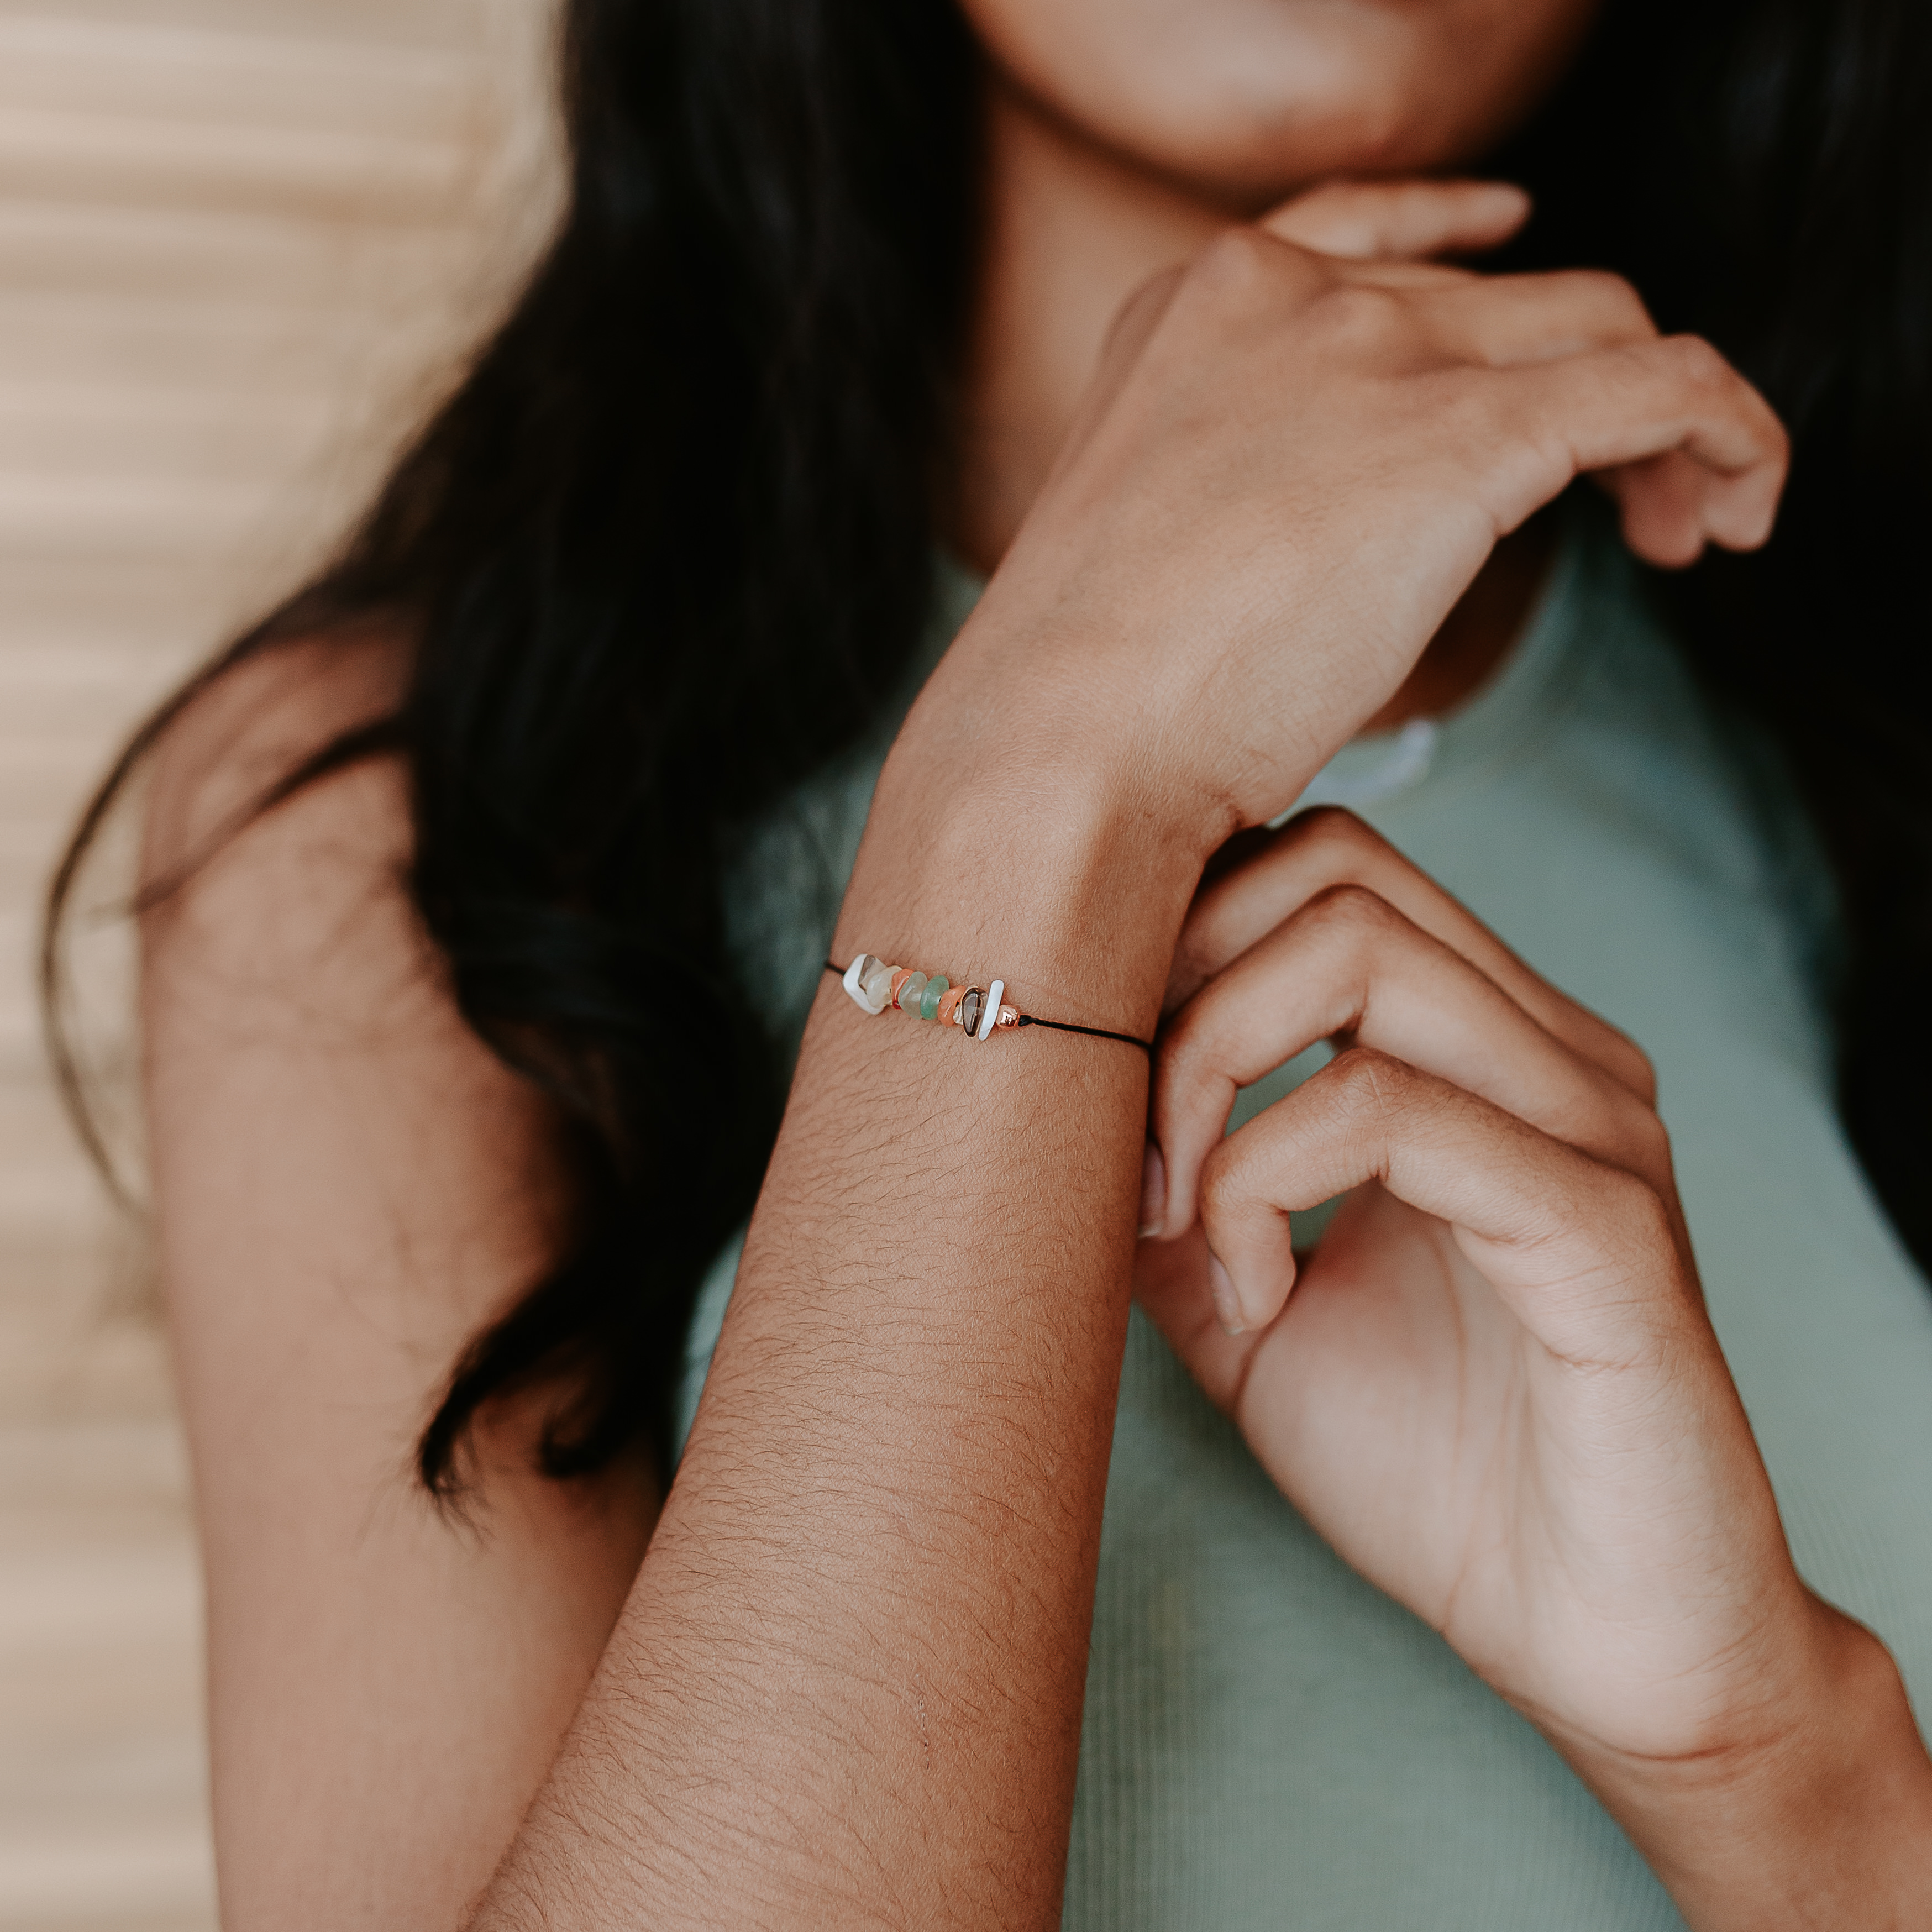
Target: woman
(490,884)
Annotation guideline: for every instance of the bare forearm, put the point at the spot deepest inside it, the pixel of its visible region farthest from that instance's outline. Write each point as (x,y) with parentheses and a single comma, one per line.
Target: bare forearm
(847,1689)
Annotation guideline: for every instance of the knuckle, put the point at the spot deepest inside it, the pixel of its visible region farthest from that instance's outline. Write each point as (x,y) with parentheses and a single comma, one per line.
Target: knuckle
(1366,1081)
(1356,1066)
(1222,1190)
(1334,828)
(1696,364)
(1236,264)
(1647,1141)
(1353,911)
(1633,1067)
(1634,1207)
(1604,289)
(1359,313)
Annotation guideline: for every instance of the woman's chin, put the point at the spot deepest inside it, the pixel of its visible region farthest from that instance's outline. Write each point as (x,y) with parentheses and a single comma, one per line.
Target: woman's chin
(1244,104)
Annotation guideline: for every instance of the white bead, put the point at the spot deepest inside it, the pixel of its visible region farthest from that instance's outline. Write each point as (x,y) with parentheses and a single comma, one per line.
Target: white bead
(990,1018)
(855,975)
(875,983)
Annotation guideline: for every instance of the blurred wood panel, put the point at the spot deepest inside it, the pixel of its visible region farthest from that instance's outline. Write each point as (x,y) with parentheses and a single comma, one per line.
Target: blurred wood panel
(243,244)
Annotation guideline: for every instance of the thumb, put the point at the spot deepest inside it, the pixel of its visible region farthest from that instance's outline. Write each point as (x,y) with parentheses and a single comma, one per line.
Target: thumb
(1406,221)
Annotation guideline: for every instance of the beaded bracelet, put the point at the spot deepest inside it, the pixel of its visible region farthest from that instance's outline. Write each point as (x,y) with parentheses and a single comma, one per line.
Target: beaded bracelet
(874,986)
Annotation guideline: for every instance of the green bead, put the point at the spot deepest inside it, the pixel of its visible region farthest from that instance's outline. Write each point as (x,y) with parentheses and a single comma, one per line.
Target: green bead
(911,993)
(928,1000)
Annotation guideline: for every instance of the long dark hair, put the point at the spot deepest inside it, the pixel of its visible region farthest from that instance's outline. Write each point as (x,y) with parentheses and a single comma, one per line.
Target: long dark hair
(667,547)
(1765,178)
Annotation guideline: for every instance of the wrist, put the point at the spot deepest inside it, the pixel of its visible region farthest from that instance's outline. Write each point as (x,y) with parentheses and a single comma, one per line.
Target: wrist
(1820,1813)
(1077,683)
(1061,873)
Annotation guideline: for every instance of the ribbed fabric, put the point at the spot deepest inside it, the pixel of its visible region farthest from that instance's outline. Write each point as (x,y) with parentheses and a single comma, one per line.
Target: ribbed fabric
(1269,1741)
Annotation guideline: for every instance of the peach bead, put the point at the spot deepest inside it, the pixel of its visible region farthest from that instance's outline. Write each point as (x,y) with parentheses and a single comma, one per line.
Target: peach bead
(949,1004)
(901,974)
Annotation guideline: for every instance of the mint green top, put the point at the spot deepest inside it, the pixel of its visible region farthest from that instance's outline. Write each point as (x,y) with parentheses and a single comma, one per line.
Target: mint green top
(1269,1741)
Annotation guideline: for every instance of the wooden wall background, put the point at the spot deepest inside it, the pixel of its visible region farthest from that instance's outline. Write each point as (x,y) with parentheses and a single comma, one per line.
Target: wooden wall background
(241,243)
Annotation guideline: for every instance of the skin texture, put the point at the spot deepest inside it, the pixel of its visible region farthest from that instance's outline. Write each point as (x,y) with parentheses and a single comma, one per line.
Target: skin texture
(1233,485)
(347,1184)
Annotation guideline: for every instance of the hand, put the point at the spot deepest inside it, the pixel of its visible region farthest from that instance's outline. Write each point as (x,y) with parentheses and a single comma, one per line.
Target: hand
(1290,467)
(1494,1387)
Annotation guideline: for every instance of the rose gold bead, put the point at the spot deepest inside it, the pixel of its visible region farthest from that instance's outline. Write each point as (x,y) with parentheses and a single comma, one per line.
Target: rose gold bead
(1009,1016)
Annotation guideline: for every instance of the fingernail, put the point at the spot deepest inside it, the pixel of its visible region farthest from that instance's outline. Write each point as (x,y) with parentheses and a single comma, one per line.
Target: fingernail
(1154,1192)
(1227,1309)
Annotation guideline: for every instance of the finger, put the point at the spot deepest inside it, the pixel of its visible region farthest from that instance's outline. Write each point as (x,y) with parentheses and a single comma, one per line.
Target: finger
(1659,498)
(1348,964)
(1617,409)
(1584,1254)
(1326,847)
(1367,220)
(1506,319)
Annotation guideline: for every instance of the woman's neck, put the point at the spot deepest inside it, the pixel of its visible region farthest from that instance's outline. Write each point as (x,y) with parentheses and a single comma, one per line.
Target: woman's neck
(1070,230)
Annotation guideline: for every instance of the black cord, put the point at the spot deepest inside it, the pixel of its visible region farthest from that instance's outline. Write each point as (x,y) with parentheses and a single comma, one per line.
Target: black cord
(1098,1032)
(1059,1026)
